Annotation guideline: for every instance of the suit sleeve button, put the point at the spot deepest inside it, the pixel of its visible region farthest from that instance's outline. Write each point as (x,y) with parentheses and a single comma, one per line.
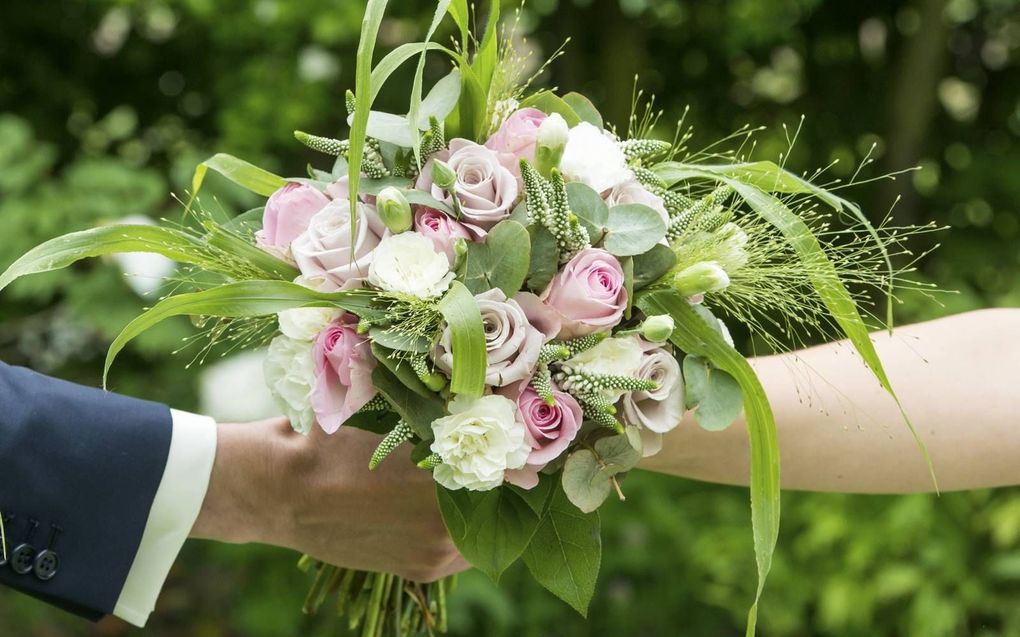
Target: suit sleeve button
(23,559)
(46,564)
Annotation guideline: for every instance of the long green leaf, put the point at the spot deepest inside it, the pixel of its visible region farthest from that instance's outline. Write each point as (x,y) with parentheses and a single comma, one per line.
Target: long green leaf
(460,310)
(244,174)
(392,61)
(364,97)
(694,336)
(485,60)
(233,300)
(416,410)
(62,251)
(412,110)
(251,254)
(770,177)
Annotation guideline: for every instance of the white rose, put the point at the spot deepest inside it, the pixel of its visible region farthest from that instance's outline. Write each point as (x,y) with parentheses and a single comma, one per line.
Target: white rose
(612,357)
(631,191)
(408,263)
(323,251)
(593,157)
(478,442)
(290,374)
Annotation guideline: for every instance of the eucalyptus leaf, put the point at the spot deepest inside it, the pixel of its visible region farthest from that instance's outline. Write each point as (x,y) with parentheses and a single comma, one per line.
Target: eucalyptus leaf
(565,552)
(501,262)
(713,394)
(545,257)
(582,484)
(584,109)
(617,454)
(491,528)
(590,208)
(549,103)
(652,265)
(460,310)
(633,229)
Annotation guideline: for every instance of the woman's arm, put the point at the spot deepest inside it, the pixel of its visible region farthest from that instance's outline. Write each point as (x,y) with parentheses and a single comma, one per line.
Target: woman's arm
(958,378)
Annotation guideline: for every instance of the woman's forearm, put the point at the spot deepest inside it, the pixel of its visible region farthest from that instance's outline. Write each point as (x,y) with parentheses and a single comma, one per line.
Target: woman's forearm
(958,379)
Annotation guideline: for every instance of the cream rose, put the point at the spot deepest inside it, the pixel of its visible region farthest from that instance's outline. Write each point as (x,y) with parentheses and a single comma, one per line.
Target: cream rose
(408,263)
(486,186)
(659,410)
(631,191)
(324,250)
(478,442)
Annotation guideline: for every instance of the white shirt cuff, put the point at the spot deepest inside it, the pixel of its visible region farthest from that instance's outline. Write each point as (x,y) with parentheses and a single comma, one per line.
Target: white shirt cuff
(174,511)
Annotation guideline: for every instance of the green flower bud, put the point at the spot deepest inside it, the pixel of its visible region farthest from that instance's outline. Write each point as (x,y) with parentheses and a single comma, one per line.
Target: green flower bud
(552,139)
(460,250)
(657,329)
(393,209)
(701,278)
(442,175)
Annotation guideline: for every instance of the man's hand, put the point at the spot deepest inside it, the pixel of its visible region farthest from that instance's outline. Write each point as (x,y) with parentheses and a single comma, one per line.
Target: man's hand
(315,494)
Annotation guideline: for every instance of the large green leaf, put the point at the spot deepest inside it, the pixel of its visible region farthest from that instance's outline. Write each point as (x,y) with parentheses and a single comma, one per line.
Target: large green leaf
(392,61)
(490,528)
(401,369)
(252,255)
(501,262)
(416,410)
(460,310)
(233,300)
(549,103)
(650,266)
(565,553)
(769,177)
(632,228)
(694,336)
(363,97)
(62,251)
(712,393)
(249,176)
(487,56)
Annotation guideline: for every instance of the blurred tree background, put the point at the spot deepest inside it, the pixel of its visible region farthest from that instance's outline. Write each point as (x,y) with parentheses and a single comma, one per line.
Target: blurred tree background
(106,106)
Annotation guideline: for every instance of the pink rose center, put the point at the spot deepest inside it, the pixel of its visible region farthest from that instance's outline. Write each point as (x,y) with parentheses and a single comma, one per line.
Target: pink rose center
(603,282)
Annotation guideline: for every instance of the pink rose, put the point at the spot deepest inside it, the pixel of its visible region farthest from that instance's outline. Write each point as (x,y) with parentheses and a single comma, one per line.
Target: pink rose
(631,191)
(659,411)
(486,187)
(343,372)
(588,293)
(287,214)
(518,135)
(549,430)
(440,229)
(324,251)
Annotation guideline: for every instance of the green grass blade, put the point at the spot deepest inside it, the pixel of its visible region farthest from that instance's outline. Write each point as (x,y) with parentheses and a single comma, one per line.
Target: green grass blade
(233,300)
(249,176)
(363,104)
(694,336)
(488,51)
(460,310)
(392,61)
(62,251)
(237,246)
(412,110)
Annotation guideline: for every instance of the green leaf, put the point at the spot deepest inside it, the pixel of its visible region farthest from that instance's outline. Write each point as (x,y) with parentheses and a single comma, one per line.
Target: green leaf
(413,111)
(545,258)
(565,553)
(231,300)
(440,101)
(617,455)
(395,340)
(363,101)
(712,393)
(694,336)
(377,422)
(488,51)
(584,109)
(538,496)
(392,61)
(461,312)
(633,229)
(501,262)
(246,223)
(249,176)
(243,249)
(62,251)
(416,410)
(468,119)
(590,208)
(490,528)
(400,369)
(549,103)
(652,265)
(413,196)
(584,486)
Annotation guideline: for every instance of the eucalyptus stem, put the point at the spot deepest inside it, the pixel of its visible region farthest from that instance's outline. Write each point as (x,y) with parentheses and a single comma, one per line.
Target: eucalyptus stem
(372,611)
(317,594)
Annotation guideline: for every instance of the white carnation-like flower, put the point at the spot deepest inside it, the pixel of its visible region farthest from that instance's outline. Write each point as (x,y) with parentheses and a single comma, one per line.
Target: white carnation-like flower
(613,357)
(305,323)
(408,263)
(290,374)
(478,442)
(594,158)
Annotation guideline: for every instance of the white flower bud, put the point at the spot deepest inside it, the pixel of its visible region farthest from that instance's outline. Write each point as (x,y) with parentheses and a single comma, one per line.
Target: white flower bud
(552,139)
(701,278)
(393,209)
(442,175)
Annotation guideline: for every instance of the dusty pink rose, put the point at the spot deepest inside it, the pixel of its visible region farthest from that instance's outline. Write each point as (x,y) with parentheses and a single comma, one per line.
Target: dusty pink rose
(659,411)
(518,135)
(323,252)
(286,215)
(440,229)
(343,371)
(588,293)
(486,186)
(549,430)
(631,191)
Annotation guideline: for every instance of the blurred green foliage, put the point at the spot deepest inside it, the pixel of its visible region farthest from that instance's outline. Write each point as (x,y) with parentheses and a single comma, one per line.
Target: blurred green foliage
(106,106)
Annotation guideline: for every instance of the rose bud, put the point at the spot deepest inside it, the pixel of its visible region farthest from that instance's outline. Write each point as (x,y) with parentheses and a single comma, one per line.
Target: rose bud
(657,329)
(552,139)
(393,209)
(701,278)
(442,175)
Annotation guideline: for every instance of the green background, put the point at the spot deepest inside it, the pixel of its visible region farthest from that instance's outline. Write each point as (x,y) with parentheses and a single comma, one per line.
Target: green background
(105,108)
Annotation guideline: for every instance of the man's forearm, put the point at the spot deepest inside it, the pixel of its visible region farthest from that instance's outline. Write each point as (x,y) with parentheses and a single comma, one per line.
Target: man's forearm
(840,431)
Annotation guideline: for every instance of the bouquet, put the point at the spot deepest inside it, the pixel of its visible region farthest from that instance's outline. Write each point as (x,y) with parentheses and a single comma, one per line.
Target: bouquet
(525,295)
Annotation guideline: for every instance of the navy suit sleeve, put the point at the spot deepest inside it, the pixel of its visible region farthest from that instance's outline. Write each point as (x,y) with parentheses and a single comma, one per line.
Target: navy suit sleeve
(79,469)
